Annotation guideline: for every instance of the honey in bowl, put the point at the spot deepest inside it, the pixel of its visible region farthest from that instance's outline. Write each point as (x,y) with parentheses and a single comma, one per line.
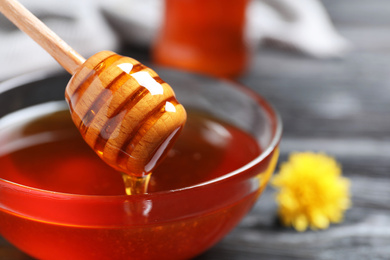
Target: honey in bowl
(58,200)
(47,152)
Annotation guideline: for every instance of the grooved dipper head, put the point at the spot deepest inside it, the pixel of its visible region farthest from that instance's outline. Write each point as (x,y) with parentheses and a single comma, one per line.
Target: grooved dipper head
(125,112)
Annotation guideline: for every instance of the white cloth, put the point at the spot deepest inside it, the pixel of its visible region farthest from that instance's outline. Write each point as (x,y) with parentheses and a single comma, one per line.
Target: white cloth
(90,26)
(77,22)
(303,25)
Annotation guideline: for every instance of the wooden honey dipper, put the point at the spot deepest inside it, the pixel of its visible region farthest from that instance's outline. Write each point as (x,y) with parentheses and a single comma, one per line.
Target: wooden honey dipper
(123,109)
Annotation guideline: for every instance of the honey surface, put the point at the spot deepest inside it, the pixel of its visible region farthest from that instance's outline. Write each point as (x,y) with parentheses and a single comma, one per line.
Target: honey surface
(49,153)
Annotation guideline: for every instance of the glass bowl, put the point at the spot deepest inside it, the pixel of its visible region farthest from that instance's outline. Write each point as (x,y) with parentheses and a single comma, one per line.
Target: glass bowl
(172,224)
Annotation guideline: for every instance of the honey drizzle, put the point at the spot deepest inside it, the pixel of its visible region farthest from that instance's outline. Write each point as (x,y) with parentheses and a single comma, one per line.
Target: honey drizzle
(159,80)
(138,67)
(93,74)
(110,125)
(136,184)
(99,102)
(143,126)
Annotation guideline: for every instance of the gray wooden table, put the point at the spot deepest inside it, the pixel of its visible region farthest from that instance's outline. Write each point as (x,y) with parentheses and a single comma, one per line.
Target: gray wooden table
(341,107)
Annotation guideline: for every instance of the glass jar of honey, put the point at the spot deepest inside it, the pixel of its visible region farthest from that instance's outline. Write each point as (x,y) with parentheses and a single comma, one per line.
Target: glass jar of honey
(205,36)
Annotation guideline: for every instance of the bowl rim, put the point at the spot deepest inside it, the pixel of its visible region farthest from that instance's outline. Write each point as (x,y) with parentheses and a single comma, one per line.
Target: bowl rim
(36,76)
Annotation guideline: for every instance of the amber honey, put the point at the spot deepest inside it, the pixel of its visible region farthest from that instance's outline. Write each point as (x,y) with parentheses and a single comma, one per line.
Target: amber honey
(47,152)
(205,36)
(58,159)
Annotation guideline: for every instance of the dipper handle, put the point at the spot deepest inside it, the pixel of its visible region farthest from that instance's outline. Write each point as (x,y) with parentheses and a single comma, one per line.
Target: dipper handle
(41,34)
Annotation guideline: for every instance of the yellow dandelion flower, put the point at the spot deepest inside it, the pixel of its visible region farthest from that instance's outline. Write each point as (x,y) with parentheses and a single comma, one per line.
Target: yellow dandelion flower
(311,191)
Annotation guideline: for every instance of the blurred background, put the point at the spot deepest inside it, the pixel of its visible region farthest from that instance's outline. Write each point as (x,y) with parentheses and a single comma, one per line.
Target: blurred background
(176,33)
(323,64)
